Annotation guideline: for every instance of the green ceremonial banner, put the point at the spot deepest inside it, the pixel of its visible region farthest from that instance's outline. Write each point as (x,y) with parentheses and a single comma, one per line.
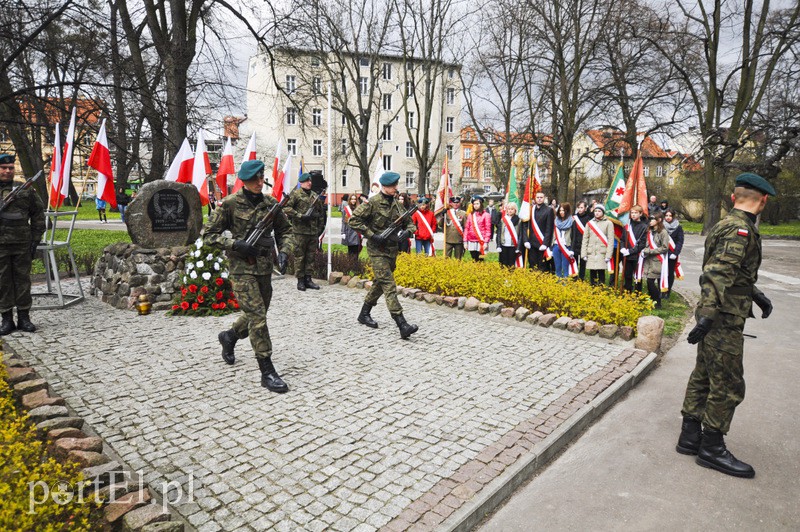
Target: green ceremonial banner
(512,195)
(614,197)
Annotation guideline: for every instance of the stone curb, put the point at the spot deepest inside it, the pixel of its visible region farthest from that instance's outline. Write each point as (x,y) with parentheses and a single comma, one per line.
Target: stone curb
(520,314)
(503,487)
(61,423)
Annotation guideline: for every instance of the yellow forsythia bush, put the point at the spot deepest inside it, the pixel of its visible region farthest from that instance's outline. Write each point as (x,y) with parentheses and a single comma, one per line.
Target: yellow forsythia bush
(25,470)
(490,282)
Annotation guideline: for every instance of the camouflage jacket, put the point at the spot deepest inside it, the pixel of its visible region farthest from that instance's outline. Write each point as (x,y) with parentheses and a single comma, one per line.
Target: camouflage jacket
(298,204)
(730,267)
(239,216)
(375,216)
(22,222)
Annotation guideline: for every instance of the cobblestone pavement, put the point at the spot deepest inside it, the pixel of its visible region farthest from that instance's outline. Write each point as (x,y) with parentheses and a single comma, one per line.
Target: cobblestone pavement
(375,433)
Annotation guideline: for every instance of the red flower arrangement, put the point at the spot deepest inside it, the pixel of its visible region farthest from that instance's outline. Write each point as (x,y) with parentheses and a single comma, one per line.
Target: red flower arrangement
(206,274)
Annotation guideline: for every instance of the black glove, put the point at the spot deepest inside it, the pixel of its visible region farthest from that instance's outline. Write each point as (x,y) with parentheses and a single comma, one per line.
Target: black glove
(306,217)
(764,304)
(377,239)
(35,244)
(244,248)
(402,234)
(283,262)
(700,330)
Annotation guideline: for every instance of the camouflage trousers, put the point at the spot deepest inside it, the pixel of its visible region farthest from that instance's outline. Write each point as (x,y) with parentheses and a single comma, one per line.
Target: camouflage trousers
(716,385)
(384,284)
(305,246)
(254,293)
(454,250)
(15,277)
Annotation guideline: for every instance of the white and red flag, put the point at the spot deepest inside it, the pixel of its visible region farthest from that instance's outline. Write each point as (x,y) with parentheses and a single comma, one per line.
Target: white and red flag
(55,167)
(226,167)
(61,189)
(282,184)
(532,186)
(249,155)
(376,177)
(181,168)
(201,168)
(100,160)
(444,192)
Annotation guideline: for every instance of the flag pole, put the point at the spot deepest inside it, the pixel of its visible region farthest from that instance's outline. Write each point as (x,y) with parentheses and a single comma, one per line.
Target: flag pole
(330,176)
(446,203)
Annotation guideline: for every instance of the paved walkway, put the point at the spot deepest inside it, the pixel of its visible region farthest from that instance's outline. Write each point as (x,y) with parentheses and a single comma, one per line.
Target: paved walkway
(375,432)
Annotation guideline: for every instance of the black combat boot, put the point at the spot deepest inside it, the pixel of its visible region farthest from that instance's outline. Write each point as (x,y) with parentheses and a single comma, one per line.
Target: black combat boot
(406,329)
(270,378)
(311,284)
(301,284)
(228,340)
(7,327)
(715,455)
(691,434)
(365,318)
(24,321)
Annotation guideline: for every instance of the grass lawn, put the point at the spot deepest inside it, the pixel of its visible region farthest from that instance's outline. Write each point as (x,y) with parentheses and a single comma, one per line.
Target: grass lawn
(87,245)
(785,229)
(88,211)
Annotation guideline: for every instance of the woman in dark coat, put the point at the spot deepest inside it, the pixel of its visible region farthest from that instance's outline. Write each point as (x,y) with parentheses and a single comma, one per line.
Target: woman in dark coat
(675,232)
(350,237)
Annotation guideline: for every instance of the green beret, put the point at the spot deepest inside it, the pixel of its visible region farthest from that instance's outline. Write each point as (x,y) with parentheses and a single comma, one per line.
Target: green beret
(755,181)
(305,176)
(250,169)
(478,198)
(389,178)
(6,158)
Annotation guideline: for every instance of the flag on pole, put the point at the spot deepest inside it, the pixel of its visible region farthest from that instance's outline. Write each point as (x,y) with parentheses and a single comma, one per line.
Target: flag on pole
(249,155)
(377,176)
(62,188)
(226,167)
(444,192)
(614,198)
(532,187)
(299,172)
(635,188)
(283,180)
(181,168)
(100,160)
(513,196)
(55,167)
(201,168)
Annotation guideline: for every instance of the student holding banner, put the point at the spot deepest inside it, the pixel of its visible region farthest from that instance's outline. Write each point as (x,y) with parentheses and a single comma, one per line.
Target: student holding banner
(656,262)
(634,241)
(598,246)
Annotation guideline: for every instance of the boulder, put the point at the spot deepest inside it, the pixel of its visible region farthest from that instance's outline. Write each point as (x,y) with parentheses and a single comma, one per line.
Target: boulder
(43,413)
(608,331)
(335,277)
(353,282)
(88,458)
(114,511)
(17,375)
(462,302)
(135,520)
(562,322)
(483,308)
(547,320)
(626,332)
(590,328)
(575,326)
(41,398)
(471,304)
(61,448)
(450,301)
(507,312)
(521,313)
(534,317)
(164,214)
(495,308)
(650,330)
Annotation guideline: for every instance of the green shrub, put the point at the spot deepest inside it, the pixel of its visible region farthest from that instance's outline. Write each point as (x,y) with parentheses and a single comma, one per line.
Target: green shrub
(491,282)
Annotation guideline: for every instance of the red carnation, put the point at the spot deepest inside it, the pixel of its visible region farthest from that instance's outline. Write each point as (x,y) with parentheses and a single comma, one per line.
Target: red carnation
(193,288)
(200,299)
(219,281)
(175,307)
(195,306)
(222,305)
(220,295)
(235,304)
(183,292)
(214,306)
(204,289)
(185,305)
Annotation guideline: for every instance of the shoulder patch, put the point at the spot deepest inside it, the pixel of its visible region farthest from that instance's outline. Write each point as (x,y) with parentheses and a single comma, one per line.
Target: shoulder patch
(743,232)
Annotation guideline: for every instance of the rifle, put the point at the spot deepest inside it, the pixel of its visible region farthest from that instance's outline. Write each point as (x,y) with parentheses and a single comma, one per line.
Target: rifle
(261,227)
(310,210)
(14,193)
(396,225)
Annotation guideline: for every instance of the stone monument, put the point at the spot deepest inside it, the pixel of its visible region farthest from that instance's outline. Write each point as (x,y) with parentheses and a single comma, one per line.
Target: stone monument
(164,214)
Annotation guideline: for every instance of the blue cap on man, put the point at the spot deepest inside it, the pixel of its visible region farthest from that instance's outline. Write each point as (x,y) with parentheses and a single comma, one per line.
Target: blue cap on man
(7,158)
(250,169)
(755,181)
(305,176)
(388,179)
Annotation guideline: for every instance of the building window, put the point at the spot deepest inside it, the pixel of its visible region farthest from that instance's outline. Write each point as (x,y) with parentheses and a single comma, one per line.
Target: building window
(451,73)
(647,171)
(314,61)
(410,88)
(487,172)
(467,153)
(387,71)
(344,146)
(670,180)
(451,96)
(316,85)
(487,189)
(411,120)
(387,102)
(409,179)
(316,117)
(291,146)
(659,171)
(363,85)
(291,116)
(449,151)
(364,61)
(409,150)
(344,177)
(291,83)
(467,172)
(344,119)
(387,162)
(449,122)
(317,148)
(387,132)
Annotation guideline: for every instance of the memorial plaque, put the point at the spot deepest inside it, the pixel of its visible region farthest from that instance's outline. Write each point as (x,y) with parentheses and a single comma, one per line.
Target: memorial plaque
(168,211)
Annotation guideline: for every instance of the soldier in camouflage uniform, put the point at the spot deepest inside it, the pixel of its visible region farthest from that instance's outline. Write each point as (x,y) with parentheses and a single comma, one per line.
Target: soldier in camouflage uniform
(716,386)
(307,225)
(250,266)
(371,219)
(21,229)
